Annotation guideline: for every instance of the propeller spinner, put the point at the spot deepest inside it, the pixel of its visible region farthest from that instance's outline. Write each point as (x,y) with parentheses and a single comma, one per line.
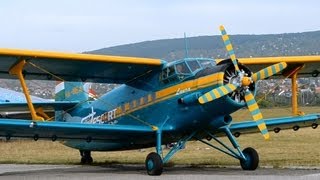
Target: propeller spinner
(243,83)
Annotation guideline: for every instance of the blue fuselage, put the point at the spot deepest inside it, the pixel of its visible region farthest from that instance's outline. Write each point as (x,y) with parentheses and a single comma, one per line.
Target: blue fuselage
(152,101)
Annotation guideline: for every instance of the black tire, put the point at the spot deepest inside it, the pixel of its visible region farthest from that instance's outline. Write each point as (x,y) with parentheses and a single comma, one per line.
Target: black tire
(154,164)
(252,159)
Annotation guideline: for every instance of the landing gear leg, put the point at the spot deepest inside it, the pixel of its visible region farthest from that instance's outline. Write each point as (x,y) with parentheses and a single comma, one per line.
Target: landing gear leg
(86,157)
(249,158)
(154,164)
(154,161)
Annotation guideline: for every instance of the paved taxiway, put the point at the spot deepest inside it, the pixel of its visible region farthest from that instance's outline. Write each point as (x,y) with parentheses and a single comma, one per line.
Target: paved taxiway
(10,171)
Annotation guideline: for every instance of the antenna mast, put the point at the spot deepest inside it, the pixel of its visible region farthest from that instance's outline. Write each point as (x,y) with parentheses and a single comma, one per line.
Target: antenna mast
(186,46)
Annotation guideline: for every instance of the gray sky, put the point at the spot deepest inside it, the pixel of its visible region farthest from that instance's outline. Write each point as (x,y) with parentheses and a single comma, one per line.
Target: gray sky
(82,25)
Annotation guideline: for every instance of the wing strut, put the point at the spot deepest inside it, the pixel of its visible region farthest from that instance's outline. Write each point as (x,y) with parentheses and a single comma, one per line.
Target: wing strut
(294,99)
(17,70)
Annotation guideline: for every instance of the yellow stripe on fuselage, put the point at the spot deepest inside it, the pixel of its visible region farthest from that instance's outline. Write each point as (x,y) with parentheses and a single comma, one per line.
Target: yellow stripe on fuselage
(170,92)
(127,106)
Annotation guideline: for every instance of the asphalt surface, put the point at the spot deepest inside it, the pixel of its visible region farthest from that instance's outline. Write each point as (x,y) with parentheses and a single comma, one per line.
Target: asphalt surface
(11,171)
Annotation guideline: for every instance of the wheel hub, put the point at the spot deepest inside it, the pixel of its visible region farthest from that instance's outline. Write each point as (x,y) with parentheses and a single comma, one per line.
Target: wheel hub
(150,164)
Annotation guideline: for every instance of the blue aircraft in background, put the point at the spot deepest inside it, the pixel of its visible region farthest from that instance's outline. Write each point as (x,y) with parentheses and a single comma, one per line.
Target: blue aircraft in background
(14,96)
(158,102)
(7,96)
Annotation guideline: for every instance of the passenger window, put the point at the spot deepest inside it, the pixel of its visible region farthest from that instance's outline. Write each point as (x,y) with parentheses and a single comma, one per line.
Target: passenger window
(194,65)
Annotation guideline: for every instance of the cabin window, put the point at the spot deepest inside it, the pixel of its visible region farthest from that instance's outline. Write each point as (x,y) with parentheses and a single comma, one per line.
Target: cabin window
(194,65)
(182,68)
(206,64)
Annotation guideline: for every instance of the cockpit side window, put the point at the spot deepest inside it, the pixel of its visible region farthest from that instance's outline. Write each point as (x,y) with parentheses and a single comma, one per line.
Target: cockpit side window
(182,68)
(206,63)
(167,72)
(175,73)
(194,65)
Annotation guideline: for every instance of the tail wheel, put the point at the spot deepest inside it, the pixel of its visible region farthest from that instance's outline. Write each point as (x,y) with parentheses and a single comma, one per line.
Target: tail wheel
(154,164)
(252,159)
(86,157)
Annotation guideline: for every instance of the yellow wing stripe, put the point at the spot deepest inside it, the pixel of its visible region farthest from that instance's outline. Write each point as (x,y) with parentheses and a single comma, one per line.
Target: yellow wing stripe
(78,57)
(274,60)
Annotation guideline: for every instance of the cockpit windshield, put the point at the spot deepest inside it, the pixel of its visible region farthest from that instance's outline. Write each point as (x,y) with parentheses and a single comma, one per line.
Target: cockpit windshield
(182,69)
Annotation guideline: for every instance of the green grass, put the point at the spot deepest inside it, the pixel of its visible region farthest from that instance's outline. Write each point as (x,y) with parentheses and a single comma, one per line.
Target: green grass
(287,148)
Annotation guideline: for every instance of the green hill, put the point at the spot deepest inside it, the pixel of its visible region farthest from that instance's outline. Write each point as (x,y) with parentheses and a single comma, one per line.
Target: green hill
(306,43)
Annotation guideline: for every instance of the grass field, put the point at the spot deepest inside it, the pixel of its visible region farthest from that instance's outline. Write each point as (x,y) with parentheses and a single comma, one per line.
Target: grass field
(287,148)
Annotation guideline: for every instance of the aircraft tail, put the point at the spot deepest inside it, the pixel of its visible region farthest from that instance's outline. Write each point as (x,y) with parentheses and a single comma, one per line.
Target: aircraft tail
(70,91)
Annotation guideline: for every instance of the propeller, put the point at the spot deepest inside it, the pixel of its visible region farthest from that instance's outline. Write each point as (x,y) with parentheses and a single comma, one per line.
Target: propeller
(243,82)
(228,45)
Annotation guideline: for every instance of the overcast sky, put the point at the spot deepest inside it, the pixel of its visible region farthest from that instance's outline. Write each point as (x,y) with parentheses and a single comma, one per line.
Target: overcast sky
(82,25)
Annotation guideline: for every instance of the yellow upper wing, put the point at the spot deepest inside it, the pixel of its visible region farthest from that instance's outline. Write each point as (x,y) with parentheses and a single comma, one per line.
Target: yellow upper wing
(310,64)
(75,67)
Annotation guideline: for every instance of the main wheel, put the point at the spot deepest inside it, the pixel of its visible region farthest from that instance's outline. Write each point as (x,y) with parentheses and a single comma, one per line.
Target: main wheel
(252,159)
(154,164)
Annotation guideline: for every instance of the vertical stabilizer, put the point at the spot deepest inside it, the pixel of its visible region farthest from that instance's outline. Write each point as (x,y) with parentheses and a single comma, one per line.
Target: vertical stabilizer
(70,91)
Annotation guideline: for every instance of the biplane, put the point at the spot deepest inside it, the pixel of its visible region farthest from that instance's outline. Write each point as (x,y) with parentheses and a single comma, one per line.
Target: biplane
(157,103)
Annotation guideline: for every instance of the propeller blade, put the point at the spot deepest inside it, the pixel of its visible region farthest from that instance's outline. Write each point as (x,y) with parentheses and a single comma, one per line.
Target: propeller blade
(216,93)
(269,71)
(256,114)
(229,48)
